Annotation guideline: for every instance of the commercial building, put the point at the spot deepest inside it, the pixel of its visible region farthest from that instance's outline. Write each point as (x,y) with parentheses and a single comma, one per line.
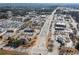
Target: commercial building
(60,26)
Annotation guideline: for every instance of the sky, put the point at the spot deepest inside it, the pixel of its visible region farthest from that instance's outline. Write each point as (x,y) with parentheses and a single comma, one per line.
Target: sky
(39,1)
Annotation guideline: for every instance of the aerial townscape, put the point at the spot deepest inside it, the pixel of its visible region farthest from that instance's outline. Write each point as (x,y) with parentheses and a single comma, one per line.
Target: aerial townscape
(39,29)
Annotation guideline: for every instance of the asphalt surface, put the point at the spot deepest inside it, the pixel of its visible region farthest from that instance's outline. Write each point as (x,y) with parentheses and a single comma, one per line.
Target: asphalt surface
(41,48)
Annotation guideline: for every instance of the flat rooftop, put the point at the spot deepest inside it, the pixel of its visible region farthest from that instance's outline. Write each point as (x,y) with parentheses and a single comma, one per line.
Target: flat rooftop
(10,24)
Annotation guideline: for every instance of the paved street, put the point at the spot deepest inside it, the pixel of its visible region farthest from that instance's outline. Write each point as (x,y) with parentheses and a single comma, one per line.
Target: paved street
(41,48)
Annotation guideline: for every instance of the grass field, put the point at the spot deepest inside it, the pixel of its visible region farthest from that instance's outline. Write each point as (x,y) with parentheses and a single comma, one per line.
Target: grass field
(4,52)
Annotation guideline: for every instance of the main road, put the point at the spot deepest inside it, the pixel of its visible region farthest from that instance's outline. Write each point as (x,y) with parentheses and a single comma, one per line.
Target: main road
(41,46)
